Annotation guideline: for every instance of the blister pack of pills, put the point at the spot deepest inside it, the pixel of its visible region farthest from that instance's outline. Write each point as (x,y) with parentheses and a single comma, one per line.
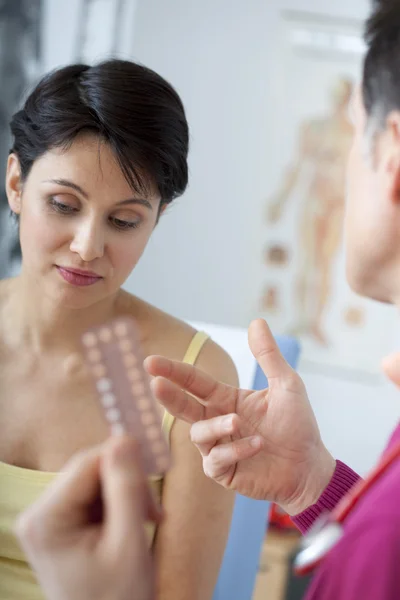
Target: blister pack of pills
(113,355)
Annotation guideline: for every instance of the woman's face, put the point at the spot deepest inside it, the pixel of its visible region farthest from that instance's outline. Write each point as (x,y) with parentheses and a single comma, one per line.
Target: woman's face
(79,214)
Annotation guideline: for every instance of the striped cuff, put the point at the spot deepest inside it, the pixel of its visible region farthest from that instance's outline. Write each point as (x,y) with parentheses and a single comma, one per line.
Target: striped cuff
(342,481)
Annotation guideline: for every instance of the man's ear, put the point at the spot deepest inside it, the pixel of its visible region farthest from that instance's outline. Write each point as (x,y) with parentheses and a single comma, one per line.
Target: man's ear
(396,182)
(392,177)
(14,183)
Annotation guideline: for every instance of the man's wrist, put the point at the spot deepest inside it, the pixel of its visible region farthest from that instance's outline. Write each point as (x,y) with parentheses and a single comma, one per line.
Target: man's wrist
(317,480)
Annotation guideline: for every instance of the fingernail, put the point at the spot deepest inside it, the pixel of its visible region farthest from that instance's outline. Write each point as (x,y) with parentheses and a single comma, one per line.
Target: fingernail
(227,424)
(255,442)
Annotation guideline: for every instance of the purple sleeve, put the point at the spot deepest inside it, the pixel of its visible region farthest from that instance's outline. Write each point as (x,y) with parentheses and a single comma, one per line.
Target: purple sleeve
(342,481)
(363,566)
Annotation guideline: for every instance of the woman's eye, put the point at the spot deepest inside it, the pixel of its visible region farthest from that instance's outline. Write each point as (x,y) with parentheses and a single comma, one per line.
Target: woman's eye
(124,225)
(62,208)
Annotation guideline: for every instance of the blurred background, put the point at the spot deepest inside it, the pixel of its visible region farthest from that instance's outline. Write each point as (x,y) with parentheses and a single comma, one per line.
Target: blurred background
(266,85)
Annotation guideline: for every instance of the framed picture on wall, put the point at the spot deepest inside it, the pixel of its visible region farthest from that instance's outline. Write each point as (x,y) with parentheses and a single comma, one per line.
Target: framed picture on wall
(304,290)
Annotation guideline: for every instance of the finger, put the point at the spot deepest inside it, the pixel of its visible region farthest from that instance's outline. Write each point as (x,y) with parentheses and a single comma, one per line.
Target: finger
(206,434)
(224,457)
(176,401)
(127,499)
(265,350)
(391,367)
(191,379)
(64,505)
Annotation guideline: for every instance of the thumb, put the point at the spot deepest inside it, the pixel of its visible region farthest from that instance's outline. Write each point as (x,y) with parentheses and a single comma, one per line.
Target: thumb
(128,501)
(391,367)
(265,350)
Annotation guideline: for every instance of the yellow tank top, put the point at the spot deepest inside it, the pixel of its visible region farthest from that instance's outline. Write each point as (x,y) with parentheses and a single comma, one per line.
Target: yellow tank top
(20,487)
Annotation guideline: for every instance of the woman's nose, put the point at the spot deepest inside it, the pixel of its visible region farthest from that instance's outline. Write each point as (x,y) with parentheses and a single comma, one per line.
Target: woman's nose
(88,241)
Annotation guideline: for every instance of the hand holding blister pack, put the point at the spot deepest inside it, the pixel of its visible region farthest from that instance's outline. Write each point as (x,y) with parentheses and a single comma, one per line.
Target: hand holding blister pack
(113,355)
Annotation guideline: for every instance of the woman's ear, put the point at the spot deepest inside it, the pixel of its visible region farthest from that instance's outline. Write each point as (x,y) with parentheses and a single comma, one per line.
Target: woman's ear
(14,183)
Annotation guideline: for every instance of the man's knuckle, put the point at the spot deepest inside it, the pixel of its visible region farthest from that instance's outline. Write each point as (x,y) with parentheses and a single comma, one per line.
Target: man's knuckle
(210,467)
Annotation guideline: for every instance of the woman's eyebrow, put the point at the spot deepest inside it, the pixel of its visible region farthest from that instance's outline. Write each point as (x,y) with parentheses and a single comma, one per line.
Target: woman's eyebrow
(141,201)
(69,184)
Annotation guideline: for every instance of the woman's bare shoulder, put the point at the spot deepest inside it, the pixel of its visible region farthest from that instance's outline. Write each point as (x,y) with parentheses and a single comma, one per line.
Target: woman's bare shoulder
(169,336)
(160,332)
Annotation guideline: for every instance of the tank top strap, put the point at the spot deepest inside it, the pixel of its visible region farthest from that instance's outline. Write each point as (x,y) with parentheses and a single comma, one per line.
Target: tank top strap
(191,355)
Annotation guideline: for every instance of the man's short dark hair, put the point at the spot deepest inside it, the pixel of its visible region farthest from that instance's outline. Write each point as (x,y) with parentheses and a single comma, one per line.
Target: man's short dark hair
(381,73)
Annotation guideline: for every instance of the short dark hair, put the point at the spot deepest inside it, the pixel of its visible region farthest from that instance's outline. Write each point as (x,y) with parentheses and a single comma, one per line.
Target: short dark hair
(127,105)
(381,72)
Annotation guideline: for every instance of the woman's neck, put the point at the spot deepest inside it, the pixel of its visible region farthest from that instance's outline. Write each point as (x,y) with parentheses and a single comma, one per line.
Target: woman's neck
(39,323)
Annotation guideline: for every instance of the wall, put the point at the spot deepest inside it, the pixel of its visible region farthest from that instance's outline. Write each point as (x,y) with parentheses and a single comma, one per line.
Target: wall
(61,24)
(214,53)
(202,263)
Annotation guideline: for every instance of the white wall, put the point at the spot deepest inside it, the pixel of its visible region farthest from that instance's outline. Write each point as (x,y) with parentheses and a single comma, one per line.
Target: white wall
(61,25)
(215,53)
(355,419)
(202,261)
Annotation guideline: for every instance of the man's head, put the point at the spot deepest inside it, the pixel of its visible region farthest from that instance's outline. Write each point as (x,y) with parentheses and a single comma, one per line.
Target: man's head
(373,202)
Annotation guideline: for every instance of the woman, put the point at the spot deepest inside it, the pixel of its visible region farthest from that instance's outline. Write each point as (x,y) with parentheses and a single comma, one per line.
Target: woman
(98,153)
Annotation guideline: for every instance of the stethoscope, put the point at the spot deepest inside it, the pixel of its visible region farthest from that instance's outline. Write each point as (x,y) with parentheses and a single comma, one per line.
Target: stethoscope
(328,530)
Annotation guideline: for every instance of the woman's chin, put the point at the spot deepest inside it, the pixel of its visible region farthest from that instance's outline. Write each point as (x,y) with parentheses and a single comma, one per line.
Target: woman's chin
(75,298)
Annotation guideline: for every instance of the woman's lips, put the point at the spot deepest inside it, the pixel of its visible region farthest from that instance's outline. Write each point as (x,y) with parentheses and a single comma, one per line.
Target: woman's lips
(78,277)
